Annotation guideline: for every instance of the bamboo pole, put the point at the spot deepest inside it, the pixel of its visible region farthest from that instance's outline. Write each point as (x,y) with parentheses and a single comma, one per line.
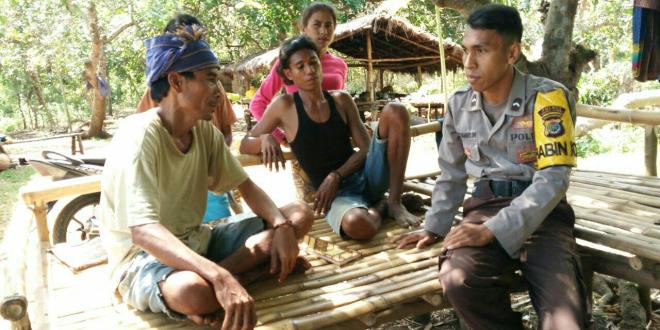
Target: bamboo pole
(328,301)
(13,302)
(629,244)
(443,65)
(619,115)
(631,226)
(395,261)
(370,68)
(399,59)
(331,269)
(353,310)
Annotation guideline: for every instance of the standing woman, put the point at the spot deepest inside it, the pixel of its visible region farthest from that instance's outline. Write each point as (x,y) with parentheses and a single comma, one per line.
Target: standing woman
(318,22)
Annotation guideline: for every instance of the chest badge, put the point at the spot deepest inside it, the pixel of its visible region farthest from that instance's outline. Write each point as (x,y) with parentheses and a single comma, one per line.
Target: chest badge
(552,123)
(516,104)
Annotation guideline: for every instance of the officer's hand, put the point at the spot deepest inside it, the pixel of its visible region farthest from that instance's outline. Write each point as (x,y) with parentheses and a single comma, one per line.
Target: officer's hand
(326,193)
(271,152)
(419,239)
(467,234)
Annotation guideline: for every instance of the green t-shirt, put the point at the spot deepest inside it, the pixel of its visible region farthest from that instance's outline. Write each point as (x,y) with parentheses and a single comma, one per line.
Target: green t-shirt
(147,179)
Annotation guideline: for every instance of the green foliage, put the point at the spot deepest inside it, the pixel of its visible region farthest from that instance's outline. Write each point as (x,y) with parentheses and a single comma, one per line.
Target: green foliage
(618,138)
(588,146)
(601,87)
(51,39)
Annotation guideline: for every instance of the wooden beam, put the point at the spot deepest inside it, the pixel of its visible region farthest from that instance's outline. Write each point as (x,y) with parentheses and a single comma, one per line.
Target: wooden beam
(431,49)
(619,115)
(402,59)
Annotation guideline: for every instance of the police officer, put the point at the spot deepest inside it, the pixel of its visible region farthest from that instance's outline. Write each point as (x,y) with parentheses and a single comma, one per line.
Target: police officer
(513,133)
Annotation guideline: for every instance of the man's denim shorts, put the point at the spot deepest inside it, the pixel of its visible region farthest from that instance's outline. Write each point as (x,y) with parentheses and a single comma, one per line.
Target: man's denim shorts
(364,187)
(139,284)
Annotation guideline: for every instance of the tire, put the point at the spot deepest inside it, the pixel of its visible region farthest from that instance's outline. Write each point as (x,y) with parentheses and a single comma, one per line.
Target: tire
(71,220)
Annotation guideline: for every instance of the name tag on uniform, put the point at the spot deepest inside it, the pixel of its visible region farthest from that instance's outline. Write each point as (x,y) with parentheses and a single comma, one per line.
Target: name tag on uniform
(520,144)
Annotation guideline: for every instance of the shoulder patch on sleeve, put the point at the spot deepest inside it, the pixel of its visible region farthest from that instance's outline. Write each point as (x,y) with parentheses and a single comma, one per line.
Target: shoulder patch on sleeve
(553,130)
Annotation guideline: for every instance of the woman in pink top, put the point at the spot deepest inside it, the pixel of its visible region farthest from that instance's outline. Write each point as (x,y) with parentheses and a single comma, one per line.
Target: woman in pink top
(318,22)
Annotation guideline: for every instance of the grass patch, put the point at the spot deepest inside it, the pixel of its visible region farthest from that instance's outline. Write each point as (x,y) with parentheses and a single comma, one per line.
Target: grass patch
(10,181)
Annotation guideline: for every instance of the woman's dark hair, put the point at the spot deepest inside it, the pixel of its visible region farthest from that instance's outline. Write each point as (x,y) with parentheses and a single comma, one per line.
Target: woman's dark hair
(314,7)
(161,87)
(290,47)
(503,19)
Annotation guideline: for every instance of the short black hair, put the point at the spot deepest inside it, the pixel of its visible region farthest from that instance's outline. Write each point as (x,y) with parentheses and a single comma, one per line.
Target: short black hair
(161,87)
(503,19)
(288,48)
(314,7)
(180,20)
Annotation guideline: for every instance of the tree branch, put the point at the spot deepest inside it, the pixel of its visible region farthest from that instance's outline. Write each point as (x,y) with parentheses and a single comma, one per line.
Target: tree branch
(107,40)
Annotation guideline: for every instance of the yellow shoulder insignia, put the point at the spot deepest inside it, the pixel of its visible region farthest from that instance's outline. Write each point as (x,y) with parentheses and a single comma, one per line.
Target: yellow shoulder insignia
(553,130)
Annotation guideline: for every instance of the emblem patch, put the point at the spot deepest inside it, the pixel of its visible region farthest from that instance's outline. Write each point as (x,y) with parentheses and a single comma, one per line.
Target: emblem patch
(552,123)
(553,130)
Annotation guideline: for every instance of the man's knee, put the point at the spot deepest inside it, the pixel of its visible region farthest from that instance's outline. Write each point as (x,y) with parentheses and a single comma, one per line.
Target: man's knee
(453,280)
(188,293)
(359,224)
(396,112)
(301,215)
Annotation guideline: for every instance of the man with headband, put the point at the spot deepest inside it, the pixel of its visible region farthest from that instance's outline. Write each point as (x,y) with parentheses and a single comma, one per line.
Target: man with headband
(153,196)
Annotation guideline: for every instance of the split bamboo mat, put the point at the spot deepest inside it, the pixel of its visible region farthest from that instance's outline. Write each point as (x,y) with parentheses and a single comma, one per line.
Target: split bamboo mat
(617,226)
(617,221)
(384,284)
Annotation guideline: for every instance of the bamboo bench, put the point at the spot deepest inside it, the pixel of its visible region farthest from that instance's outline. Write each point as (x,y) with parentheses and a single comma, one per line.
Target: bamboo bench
(616,230)
(76,141)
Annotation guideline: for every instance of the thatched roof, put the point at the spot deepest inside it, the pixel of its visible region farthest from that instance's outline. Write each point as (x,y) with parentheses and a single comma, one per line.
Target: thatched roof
(397,45)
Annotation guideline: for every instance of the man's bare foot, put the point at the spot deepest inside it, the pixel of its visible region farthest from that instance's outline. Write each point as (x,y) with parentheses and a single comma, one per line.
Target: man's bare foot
(402,217)
(208,319)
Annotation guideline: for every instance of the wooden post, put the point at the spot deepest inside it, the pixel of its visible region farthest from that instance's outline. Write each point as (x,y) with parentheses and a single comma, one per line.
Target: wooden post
(418,77)
(650,151)
(370,69)
(381,73)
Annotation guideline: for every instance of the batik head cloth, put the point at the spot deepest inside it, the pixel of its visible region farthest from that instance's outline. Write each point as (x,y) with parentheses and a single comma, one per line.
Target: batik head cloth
(184,50)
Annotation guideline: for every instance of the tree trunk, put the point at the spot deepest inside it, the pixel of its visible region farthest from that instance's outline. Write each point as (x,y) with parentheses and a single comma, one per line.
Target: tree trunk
(20,109)
(35,122)
(97,66)
(559,60)
(66,106)
(38,90)
(91,69)
(650,150)
(558,38)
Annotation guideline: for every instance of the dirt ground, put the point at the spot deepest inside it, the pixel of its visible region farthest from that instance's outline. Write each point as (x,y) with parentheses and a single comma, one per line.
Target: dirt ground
(423,159)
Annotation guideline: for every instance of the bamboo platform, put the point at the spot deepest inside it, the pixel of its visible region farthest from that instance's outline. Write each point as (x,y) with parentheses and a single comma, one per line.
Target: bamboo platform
(618,230)
(617,222)
(384,284)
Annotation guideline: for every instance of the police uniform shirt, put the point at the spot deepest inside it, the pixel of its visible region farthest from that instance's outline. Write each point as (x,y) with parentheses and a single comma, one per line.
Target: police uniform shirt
(532,141)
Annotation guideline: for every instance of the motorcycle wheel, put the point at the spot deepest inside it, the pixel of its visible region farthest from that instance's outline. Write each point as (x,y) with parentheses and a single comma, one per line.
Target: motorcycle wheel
(77,220)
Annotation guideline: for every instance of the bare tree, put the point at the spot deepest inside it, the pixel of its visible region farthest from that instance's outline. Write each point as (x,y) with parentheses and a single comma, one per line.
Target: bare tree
(96,68)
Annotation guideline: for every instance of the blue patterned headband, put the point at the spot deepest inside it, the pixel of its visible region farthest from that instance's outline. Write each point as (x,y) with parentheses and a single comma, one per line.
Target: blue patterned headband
(184,50)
